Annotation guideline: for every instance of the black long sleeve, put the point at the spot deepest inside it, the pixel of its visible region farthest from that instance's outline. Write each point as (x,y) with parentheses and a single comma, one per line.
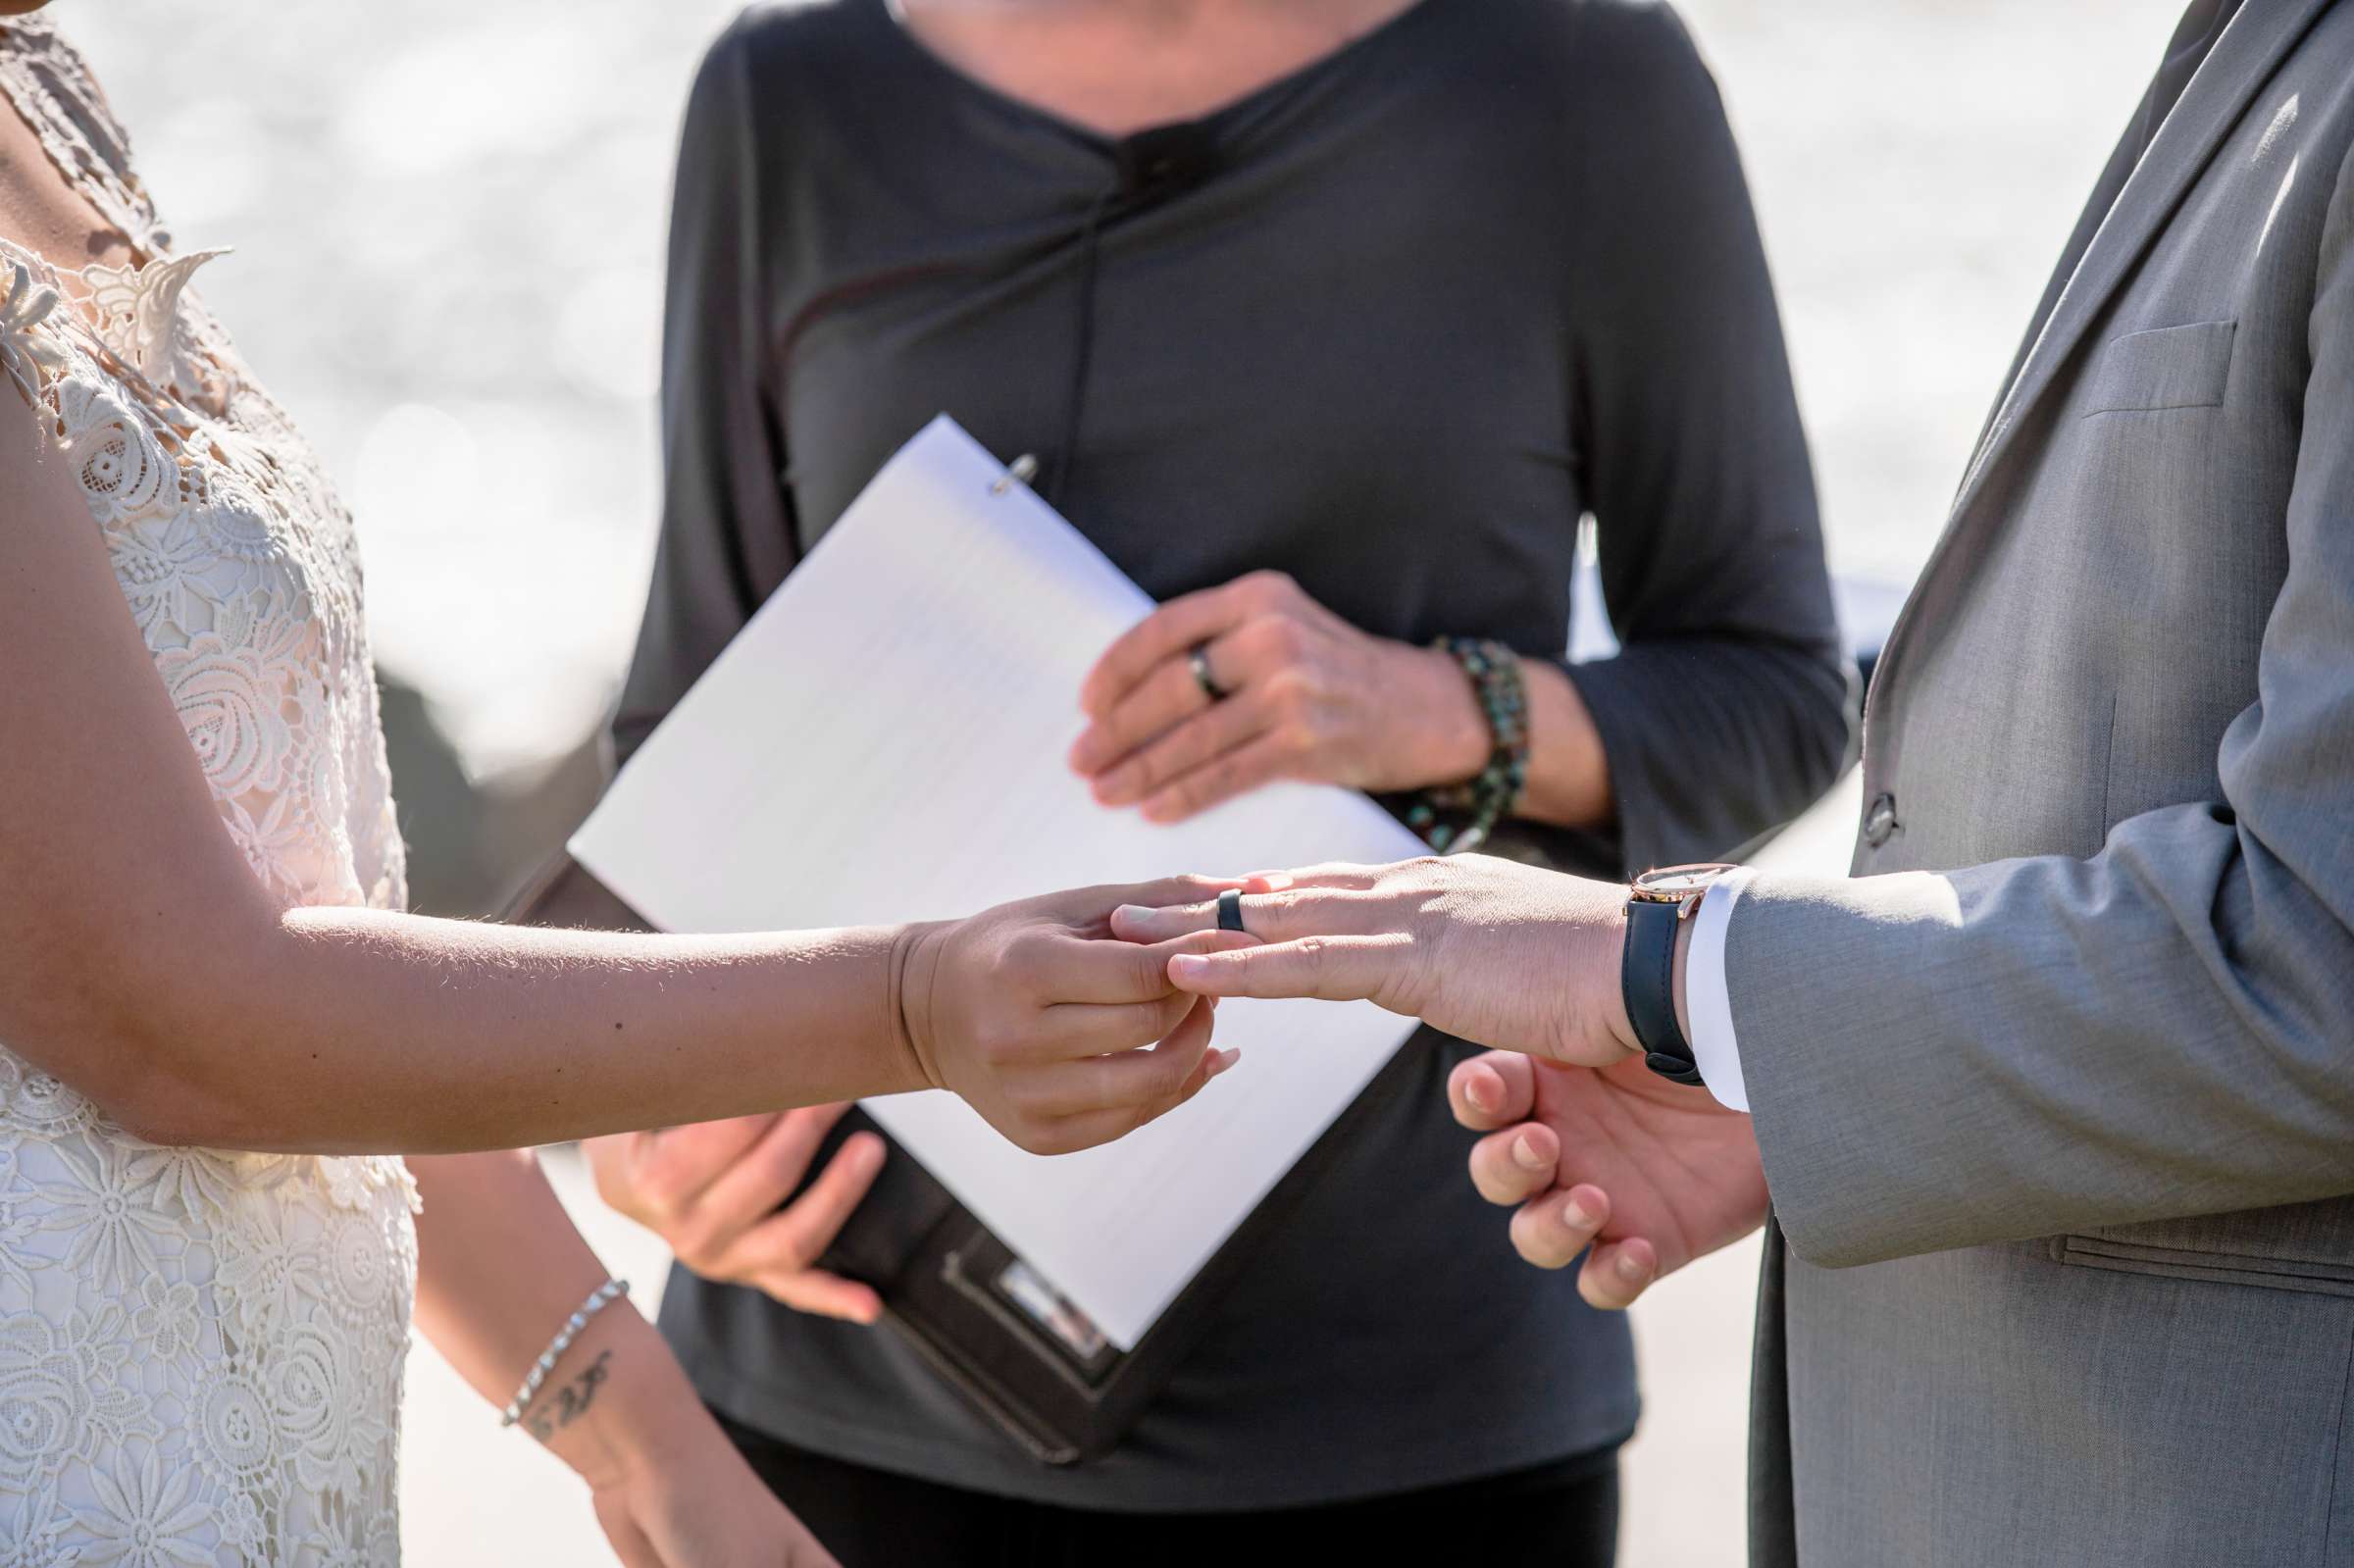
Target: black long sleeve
(1726,711)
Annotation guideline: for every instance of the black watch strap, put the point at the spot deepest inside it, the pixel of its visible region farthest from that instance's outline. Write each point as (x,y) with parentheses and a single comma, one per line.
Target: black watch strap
(1646,977)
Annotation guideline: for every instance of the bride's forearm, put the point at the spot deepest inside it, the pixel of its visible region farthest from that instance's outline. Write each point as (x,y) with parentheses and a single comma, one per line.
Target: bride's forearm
(499,1269)
(353,1029)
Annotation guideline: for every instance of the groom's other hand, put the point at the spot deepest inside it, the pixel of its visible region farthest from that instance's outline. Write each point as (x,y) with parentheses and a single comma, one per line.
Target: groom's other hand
(717,1192)
(1635,1174)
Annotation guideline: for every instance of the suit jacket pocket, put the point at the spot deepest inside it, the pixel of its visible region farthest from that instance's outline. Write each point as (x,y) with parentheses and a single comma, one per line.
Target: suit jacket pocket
(2322,1278)
(2168,367)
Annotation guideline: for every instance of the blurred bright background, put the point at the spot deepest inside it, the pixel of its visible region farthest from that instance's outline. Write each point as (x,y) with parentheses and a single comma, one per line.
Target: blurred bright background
(449,220)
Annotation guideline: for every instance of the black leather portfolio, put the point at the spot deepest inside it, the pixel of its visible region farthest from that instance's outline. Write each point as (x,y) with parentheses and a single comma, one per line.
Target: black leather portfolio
(976,1313)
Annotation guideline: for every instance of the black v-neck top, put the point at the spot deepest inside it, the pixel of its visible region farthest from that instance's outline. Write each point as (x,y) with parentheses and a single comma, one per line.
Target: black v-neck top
(1392,324)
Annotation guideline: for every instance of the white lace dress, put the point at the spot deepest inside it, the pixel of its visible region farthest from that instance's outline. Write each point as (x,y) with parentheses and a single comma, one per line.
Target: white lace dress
(201,1351)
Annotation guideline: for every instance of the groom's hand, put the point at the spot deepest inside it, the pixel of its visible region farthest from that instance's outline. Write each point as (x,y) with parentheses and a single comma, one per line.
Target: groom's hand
(1060,1036)
(1638,1175)
(1486,949)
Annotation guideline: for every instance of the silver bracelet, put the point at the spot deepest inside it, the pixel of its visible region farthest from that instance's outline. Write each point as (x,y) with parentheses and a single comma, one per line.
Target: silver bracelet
(598,1299)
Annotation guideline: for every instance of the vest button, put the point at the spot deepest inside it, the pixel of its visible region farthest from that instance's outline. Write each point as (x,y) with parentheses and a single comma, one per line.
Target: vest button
(1879,822)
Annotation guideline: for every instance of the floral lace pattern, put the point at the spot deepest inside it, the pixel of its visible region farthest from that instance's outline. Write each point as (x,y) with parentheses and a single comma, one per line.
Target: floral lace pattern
(201,1351)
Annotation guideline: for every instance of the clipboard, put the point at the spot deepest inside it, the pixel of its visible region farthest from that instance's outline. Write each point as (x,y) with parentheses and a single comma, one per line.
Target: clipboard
(990,1325)
(939,632)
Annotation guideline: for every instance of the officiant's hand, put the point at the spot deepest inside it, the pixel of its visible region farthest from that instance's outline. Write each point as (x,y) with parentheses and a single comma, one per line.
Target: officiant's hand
(1305,696)
(1038,1016)
(717,1192)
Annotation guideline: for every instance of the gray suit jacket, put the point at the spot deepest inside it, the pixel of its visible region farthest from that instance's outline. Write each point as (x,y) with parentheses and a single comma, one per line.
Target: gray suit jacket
(2057,1098)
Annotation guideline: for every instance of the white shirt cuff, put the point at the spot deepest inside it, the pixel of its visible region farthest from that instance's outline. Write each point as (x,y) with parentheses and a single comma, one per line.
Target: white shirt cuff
(1714,1050)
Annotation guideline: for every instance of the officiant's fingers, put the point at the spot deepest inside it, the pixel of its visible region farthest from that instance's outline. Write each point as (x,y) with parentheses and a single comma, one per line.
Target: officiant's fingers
(780,1254)
(1517,1164)
(1617,1272)
(1165,756)
(1166,634)
(656,1177)
(819,1295)
(751,1187)
(1169,695)
(1492,1089)
(1333,969)
(1271,755)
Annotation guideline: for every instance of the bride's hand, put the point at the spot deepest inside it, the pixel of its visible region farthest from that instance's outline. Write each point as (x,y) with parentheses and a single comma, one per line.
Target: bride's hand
(1486,949)
(1038,1017)
(668,1487)
(703,1510)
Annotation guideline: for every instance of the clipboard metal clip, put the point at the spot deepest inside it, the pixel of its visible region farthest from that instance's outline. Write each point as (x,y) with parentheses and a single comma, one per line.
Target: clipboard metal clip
(1021,470)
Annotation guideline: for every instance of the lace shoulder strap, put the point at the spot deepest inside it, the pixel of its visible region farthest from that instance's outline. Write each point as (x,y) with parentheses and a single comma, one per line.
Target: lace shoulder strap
(51,87)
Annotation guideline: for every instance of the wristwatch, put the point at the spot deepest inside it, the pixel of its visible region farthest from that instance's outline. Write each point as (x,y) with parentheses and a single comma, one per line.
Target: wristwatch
(1658,902)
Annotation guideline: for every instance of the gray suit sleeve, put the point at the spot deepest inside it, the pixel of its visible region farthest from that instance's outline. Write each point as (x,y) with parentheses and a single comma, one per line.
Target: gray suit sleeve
(1727,712)
(728,535)
(2163,1030)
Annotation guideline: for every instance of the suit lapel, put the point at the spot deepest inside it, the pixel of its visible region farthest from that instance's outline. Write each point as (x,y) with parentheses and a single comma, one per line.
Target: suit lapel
(2096,208)
(2210,106)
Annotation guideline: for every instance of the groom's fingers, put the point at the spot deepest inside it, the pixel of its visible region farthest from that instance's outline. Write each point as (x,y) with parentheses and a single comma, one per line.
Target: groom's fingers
(1517,1164)
(1492,1091)
(1617,1272)
(1552,1230)
(1337,901)
(1333,969)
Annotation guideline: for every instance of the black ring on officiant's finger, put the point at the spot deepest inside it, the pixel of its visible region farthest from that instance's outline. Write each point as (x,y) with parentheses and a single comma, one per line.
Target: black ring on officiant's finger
(1230,910)
(1198,658)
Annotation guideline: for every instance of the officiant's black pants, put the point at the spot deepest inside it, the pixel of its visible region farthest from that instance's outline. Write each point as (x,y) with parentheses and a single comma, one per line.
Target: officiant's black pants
(1562,1515)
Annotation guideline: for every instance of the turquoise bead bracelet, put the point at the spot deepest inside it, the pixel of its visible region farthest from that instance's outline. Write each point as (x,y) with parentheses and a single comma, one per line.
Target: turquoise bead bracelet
(1454,817)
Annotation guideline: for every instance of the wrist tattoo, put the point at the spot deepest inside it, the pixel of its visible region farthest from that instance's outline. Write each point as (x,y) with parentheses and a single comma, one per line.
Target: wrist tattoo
(567,1403)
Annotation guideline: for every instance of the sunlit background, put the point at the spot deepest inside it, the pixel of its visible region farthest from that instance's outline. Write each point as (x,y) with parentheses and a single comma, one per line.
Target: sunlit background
(449,218)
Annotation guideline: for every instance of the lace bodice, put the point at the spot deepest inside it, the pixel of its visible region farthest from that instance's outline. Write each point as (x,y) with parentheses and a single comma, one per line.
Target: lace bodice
(201,1351)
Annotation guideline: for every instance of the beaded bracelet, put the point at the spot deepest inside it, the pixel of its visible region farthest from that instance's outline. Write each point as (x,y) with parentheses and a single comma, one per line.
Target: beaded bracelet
(598,1299)
(1494,671)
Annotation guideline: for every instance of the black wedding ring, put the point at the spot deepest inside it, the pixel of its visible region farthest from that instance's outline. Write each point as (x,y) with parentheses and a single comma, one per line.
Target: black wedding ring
(1230,910)
(1198,658)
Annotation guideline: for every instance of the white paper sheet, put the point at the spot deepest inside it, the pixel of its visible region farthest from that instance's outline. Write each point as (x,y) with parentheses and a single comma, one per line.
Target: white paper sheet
(885,742)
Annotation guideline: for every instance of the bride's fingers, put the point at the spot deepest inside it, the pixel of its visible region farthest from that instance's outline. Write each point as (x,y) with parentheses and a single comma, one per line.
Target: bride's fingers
(1129,1080)
(1492,1091)
(1617,1272)
(628,1542)
(1333,969)
(1091,1127)
(1515,1165)
(1074,970)
(1551,1230)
